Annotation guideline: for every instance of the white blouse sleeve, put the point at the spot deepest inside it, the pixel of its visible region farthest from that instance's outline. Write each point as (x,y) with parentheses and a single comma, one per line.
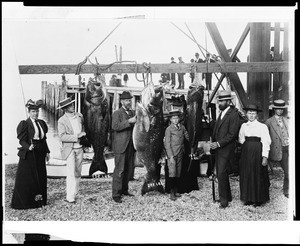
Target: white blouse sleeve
(242,134)
(266,140)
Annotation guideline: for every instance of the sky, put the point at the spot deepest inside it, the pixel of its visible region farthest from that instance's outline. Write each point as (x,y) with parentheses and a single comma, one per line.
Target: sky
(65,35)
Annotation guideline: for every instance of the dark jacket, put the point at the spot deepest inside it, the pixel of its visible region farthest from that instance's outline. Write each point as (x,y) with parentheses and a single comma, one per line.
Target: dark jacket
(122,130)
(226,132)
(25,134)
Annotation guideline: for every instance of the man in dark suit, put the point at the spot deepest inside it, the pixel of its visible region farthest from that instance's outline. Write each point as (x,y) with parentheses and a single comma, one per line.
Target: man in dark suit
(123,121)
(224,135)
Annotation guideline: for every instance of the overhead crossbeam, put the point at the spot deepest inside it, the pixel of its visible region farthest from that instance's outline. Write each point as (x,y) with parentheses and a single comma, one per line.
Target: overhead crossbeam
(222,50)
(226,67)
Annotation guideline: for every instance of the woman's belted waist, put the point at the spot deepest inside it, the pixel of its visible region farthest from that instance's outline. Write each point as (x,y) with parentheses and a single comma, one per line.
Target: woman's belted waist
(253,139)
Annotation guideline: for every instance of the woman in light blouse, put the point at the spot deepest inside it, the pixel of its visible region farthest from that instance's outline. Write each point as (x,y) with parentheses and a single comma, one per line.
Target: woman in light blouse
(254,179)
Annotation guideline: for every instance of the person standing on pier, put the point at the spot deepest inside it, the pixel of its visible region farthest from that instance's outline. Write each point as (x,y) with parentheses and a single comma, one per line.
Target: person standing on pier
(224,137)
(180,76)
(70,130)
(123,121)
(279,152)
(254,179)
(31,179)
(173,77)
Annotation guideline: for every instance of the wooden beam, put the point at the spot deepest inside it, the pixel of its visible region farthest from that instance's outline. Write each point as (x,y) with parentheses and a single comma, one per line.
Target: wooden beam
(284,94)
(274,28)
(258,83)
(221,48)
(233,55)
(276,76)
(221,67)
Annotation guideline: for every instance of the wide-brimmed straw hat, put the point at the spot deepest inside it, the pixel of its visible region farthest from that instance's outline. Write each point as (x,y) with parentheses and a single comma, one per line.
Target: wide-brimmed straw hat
(125,95)
(224,95)
(279,104)
(34,104)
(252,107)
(64,103)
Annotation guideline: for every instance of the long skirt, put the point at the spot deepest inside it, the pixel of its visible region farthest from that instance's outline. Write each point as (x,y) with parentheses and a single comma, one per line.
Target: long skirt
(254,178)
(31,182)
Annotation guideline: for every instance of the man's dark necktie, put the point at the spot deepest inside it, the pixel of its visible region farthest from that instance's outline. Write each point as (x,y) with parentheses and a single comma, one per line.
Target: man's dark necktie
(39,129)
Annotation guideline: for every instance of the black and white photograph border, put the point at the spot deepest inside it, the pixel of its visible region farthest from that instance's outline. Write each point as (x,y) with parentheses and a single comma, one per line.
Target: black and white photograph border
(66,35)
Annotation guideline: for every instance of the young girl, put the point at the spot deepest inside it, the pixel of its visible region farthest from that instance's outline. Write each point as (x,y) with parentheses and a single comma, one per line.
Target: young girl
(174,145)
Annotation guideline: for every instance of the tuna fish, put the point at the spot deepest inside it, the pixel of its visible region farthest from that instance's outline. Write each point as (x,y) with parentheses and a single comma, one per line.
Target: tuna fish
(97,121)
(148,134)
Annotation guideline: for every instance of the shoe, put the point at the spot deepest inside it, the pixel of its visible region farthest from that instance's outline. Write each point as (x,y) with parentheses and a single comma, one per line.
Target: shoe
(257,204)
(222,206)
(248,203)
(117,199)
(172,196)
(70,201)
(286,195)
(177,195)
(127,194)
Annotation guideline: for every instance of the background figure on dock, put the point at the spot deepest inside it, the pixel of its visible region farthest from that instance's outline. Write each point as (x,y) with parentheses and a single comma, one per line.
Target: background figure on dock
(192,74)
(31,179)
(208,76)
(279,150)
(199,76)
(254,178)
(123,121)
(173,76)
(70,130)
(125,78)
(180,76)
(224,137)
(97,124)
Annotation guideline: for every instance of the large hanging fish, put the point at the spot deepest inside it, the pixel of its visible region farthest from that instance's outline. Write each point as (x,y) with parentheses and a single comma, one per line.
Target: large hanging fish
(148,134)
(97,121)
(194,113)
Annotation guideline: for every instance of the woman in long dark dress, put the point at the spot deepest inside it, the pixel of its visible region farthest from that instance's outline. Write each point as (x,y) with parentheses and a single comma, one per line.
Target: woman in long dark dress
(30,189)
(255,139)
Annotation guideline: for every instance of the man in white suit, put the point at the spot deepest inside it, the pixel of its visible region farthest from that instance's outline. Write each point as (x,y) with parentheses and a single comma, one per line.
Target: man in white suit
(70,130)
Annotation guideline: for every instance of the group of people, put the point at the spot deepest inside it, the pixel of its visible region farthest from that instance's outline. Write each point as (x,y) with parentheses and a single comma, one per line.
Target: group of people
(260,143)
(205,78)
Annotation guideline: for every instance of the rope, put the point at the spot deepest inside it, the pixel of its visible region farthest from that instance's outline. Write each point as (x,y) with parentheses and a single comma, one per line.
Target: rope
(84,61)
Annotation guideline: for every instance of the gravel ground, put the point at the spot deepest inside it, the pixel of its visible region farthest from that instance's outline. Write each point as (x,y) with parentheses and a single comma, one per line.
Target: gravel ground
(94,203)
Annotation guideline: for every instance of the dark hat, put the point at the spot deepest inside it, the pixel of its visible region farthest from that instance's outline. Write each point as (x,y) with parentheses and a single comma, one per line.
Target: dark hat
(272,48)
(64,103)
(174,113)
(252,107)
(34,104)
(224,95)
(172,58)
(125,95)
(196,54)
(279,104)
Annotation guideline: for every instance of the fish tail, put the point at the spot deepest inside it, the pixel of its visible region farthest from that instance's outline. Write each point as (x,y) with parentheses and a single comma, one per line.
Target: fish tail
(98,165)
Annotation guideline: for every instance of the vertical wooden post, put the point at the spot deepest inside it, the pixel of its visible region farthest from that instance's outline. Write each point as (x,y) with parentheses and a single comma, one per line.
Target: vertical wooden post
(276,76)
(43,91)
(284,94)
(258,83)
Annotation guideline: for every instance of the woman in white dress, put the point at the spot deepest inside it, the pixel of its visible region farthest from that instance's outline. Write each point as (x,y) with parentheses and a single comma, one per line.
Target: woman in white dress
(254,179)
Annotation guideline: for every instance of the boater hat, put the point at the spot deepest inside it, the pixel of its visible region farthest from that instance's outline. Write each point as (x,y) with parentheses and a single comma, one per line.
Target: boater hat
(125,95)
(279,104)
(174,113)
(224,95)
(64,103)
(34,104)
(252,107)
